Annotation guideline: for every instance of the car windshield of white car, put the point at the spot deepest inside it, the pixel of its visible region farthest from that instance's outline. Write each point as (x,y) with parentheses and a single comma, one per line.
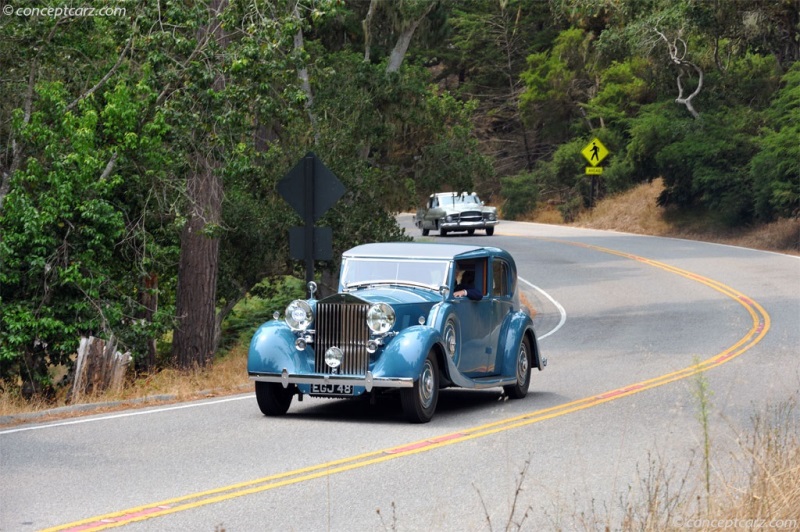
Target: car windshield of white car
(368,272)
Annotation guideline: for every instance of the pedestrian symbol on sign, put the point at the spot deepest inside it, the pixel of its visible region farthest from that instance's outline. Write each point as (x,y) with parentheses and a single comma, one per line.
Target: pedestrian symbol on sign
(595,152)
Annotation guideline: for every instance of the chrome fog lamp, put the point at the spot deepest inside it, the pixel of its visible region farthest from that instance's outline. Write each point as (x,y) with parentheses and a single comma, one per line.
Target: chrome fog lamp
(298,315)
(372,346)
(380,318)
(300,344)
(333,357)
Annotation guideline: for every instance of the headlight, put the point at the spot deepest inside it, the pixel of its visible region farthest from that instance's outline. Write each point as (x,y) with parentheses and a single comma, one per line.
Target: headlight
(380,318)
(298,315)
(450,218)
(491,216)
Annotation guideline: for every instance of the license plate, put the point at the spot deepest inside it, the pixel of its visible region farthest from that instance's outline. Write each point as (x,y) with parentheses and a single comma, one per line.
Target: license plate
(332,389)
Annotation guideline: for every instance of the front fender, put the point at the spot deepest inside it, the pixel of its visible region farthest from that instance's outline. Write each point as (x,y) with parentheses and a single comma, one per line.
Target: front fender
(272,349)
(404,356)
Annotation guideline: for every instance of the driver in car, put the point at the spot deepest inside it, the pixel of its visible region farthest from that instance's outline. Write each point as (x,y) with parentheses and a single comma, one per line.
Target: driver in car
(466,287)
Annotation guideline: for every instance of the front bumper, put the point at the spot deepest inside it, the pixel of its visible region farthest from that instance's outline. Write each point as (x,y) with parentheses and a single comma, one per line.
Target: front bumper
(483,224)
(368,381)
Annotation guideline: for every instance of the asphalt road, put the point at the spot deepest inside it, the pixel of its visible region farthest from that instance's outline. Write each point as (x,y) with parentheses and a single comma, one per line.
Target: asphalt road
(624,321)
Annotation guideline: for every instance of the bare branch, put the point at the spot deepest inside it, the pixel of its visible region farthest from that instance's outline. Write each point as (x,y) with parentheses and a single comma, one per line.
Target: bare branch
(677,54)
(302,73)
(367,24)
(103,79)
(109,167)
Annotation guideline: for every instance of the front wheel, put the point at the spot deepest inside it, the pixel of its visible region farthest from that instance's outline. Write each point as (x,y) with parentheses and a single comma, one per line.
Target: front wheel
(519,389)
(419,402)
(273,399)
(489,231)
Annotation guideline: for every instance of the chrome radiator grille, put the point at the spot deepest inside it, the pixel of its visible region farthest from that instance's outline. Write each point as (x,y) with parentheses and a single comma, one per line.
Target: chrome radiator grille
(471,216)
(343,325)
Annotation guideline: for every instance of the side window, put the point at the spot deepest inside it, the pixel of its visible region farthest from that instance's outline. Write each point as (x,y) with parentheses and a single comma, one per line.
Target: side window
(500,281)
(472,273)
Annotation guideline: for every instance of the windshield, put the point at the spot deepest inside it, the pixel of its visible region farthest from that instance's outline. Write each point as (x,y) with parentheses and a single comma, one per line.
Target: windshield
(429,273)
(451,200)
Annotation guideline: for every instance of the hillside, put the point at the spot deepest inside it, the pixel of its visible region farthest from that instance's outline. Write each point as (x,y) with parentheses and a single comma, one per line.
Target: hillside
(636,211)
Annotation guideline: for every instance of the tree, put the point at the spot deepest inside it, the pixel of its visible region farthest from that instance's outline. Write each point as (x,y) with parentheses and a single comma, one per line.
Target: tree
(483,60)
(776,167)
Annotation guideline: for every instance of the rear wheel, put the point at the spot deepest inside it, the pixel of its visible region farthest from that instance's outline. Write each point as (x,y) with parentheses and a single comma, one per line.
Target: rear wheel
(273,399)
(519,389)
(419,402)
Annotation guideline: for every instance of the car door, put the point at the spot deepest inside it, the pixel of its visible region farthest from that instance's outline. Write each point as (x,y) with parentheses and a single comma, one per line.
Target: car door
(477,353)
(501,300)
(432,214)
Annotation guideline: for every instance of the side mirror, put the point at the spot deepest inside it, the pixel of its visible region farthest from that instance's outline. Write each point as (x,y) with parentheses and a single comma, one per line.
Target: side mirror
(444,291)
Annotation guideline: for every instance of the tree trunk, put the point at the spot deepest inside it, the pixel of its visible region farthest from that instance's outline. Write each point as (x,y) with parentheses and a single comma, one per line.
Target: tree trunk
(193,342)
(403,41)
(366,24)
(16,146)
(194,339)
(148,299)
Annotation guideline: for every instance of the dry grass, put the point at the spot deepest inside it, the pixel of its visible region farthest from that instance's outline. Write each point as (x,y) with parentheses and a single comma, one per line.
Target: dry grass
(635,211)
(228,374)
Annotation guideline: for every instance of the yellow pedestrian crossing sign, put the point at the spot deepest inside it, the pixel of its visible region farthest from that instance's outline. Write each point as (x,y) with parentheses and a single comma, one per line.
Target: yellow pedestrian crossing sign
(595,152)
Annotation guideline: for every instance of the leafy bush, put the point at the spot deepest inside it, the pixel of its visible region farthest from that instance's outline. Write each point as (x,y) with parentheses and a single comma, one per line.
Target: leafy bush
(776,167)
(267,297)
(520,194)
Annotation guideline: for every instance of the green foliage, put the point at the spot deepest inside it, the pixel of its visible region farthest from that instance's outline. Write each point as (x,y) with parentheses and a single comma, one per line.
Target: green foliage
(556,82)
(266,297)
(520,194)
(751,80)
(623,90)
(707,166)
(655,127)
(776,167)
(58,277)
(451,159)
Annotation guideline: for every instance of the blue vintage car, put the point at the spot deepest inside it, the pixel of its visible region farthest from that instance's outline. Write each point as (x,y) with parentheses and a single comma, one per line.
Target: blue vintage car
(408,318)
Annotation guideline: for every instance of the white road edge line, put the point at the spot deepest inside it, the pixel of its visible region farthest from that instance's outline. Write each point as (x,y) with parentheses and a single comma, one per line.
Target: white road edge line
(126,414)
(561,310)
